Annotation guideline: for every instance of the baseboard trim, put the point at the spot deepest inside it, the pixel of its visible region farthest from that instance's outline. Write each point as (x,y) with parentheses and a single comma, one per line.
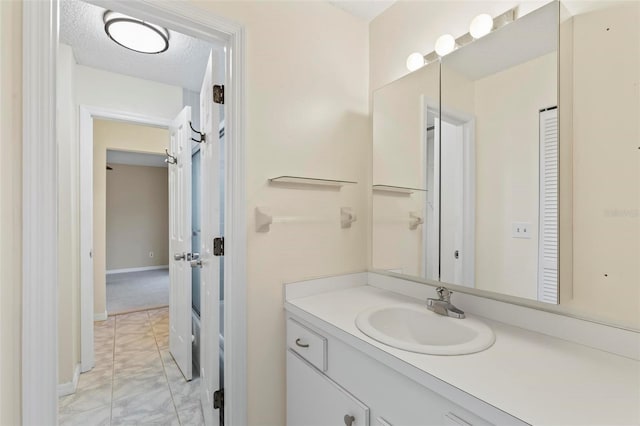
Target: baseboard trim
(101,316)
(70,387)
(140,269)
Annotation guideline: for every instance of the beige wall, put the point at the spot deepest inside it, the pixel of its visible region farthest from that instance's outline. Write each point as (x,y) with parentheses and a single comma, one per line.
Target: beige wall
(307,111)
(10,210)
(606,166)
(399,160)
(137,216)
(123,137)
(507,173)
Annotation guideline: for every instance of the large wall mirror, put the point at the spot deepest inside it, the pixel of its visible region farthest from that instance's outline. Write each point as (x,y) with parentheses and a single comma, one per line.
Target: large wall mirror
(510,166)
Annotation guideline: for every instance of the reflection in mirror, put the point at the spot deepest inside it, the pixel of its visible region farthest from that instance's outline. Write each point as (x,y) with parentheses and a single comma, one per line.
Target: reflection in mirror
(529,183)
(405,216)
(499,159)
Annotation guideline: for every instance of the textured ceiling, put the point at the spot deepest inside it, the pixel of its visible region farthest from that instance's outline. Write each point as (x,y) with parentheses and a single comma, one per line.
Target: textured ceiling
(363,9)
(82,27)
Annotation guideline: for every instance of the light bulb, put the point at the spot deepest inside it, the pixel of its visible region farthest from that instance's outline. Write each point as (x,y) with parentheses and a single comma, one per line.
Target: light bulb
(415,61)
(445,44)
(481,25)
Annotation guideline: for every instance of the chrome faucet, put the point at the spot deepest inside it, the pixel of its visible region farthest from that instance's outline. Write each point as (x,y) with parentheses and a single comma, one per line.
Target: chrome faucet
(442,305)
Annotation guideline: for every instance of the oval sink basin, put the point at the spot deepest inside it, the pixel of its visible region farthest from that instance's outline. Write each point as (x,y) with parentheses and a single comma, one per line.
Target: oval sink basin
(414,328)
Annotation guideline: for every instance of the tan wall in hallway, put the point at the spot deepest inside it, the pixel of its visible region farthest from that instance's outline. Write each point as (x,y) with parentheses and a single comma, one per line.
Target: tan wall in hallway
(124,137)
(10,210)
(137,217)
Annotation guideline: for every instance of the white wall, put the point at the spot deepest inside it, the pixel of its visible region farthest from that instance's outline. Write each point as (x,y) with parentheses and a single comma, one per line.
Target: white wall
(68,231)
(10,210)
(507,173)
(119,92)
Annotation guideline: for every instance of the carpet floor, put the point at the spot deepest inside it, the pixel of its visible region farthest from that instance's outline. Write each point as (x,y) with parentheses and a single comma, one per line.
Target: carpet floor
(133,291)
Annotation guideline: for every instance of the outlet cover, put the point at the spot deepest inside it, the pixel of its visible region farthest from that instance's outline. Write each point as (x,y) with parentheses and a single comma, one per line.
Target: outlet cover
(521,230)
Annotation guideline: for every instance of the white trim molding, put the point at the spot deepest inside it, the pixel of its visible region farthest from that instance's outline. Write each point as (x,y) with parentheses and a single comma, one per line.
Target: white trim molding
(139,269)
(39,335)
(69,388)
(100,316)
(39,214)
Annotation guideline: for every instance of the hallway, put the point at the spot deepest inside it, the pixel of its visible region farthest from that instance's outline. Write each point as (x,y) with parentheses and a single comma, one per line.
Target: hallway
(135,380)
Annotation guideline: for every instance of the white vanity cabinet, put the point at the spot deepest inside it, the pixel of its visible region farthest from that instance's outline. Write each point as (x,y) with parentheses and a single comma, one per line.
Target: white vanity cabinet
(328,379)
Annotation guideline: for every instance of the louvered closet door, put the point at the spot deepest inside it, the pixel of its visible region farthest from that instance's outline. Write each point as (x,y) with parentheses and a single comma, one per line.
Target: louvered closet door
(548,229)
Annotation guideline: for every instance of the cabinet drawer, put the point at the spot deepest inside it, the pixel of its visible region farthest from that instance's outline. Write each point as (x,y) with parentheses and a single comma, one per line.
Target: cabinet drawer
(308,344)
(315,400)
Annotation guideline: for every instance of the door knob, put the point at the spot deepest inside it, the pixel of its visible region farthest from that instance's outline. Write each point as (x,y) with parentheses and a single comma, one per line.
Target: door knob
(180,256)
(349,419)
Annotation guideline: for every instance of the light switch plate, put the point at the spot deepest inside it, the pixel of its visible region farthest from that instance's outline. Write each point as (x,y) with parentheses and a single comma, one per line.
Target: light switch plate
(521,230)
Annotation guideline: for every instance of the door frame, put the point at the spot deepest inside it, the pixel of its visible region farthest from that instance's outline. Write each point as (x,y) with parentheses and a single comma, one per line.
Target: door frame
(85,141)
(39,207)
(467,122)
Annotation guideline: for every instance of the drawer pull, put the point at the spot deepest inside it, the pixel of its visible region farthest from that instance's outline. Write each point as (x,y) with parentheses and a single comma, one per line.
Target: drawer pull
(348,420)
(302,345)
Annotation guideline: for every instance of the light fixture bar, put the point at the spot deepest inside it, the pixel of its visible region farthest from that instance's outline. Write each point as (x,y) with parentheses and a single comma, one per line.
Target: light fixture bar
(498,22)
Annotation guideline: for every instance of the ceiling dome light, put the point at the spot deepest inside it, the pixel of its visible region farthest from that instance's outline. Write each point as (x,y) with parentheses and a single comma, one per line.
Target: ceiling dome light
(134,34)
(481,26)
(445,44)
(415,61)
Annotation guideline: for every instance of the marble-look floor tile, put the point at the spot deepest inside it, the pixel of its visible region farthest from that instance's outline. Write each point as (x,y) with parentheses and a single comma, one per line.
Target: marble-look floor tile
(124,387)
(186,395)
(155,404)
(94,379)
(135,380)
(191,417)
(87,399)
(100,416)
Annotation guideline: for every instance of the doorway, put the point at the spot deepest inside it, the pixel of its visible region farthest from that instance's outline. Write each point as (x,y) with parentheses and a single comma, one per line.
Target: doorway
(39,340)
(137,224)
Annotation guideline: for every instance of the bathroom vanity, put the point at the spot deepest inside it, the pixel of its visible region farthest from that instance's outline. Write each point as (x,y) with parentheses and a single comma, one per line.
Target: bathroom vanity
(338,375)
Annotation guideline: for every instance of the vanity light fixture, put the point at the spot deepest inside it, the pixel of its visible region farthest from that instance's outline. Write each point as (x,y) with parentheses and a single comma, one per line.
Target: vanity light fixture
(445,44)
(481,25)
(415,61)
(135,34)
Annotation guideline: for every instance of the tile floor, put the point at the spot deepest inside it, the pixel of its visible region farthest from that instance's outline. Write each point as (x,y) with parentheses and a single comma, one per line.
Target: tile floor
(135,380)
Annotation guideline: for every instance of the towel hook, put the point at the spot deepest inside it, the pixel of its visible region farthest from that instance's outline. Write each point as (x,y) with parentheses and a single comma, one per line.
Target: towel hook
(202,135)
(170,158)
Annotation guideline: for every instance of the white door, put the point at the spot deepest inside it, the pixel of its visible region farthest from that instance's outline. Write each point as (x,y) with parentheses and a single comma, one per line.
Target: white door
(211,184)
(451,199)
(180,242)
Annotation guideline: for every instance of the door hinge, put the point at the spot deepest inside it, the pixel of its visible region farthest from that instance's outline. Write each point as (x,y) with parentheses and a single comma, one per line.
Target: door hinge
(218,94)
(218,246)
(218,399)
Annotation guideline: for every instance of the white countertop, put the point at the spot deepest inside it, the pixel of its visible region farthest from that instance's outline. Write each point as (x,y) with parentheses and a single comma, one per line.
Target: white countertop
(534,377)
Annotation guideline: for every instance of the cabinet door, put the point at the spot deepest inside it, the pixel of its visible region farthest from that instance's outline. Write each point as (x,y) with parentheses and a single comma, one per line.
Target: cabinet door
(315,400)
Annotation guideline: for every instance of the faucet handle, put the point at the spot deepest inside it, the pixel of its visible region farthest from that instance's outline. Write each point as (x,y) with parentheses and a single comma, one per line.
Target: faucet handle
(444,293)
